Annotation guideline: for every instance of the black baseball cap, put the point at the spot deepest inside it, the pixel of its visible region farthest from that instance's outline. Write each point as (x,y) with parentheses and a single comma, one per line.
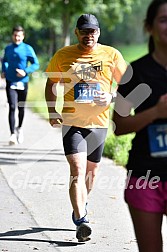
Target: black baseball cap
(87,21)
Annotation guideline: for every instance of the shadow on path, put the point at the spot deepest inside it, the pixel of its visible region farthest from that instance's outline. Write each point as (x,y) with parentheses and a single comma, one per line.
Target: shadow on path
(14,155)
(3,236)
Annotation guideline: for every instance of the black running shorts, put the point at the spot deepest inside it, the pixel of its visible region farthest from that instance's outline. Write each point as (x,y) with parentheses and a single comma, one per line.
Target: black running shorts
(91,141)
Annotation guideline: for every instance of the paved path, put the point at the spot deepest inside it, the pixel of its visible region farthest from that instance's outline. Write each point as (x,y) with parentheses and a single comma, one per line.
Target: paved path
(35,211)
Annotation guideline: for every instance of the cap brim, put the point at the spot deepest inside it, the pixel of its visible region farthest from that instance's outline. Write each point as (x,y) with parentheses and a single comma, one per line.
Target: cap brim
(88,26)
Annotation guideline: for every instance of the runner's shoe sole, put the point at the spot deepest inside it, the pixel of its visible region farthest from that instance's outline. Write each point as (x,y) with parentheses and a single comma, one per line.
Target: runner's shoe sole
(84,239)
(83,232)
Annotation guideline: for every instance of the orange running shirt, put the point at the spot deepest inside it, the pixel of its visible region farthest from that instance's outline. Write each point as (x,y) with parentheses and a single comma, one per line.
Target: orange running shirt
(82,74)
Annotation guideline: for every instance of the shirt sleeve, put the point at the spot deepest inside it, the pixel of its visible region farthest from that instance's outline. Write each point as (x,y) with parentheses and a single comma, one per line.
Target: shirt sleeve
(53,70)
(120,66)
(32,58)
(4,63)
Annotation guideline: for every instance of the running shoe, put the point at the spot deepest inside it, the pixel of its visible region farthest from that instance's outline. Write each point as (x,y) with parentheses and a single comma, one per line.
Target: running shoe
(83,231)
(20,137)
(13,139)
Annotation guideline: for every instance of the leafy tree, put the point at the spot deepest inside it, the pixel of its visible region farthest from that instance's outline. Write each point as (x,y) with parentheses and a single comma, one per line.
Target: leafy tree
(18,12)
(15,12)
(131,29)
(62,15)
(50,24)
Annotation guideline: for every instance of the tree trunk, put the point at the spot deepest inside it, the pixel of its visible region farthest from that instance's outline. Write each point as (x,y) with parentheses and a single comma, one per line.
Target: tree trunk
(66,23)
(52,42)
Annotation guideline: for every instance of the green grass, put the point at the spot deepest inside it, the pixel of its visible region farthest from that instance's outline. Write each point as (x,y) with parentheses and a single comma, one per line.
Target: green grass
(36,98)
(132,52)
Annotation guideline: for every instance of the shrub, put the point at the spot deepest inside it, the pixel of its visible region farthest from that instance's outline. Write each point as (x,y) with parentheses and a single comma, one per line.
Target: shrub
(117,148)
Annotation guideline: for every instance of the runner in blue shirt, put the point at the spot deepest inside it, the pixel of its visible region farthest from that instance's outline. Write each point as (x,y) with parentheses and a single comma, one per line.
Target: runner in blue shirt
(15,68)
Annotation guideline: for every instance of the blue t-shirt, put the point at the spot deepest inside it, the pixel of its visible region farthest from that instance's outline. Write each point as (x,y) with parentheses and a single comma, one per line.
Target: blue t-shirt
(19,56)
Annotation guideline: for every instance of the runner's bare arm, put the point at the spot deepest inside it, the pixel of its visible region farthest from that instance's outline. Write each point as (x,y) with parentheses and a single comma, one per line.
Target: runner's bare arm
(51,97)
(133,123)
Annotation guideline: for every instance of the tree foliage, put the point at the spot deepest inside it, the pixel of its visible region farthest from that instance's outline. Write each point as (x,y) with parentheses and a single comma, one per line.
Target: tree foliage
(15,11)
(52,22)
(131,29)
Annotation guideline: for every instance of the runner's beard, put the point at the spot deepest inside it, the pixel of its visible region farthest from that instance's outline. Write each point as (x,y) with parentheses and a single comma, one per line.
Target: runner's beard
(88,43)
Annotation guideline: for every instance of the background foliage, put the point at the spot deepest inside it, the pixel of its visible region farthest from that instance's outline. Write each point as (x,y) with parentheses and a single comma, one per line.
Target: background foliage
(50,24)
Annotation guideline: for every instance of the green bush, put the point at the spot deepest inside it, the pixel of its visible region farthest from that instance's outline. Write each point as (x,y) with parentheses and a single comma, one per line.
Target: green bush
(117,148)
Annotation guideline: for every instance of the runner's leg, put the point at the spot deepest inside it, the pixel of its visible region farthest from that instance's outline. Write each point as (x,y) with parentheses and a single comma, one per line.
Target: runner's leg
(22,94)
(147,228)
(77,187)
(12,100)
(91,172)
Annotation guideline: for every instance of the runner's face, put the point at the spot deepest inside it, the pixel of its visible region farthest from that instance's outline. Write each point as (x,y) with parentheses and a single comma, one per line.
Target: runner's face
(87,38)
(159,28)
(18,37)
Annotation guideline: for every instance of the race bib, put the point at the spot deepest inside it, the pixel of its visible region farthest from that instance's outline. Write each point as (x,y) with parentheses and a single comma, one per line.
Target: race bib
(17,85)
(158,140)
(85,92)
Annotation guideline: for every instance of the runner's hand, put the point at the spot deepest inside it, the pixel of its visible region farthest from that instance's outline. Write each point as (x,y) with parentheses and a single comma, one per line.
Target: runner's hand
(55,119)
(161,107)
(103,98)
(2,75)
(20,72)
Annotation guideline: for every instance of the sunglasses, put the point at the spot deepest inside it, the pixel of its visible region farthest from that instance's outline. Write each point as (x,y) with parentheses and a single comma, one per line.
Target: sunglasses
(88,31)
